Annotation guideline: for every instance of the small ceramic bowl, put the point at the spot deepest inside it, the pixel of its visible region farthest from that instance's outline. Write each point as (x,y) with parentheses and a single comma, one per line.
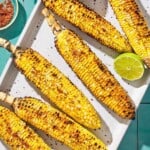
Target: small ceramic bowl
(16,8)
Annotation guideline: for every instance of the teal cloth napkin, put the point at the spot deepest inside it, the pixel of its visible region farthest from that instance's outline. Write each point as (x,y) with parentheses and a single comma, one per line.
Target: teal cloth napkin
(145,147)
(13,32)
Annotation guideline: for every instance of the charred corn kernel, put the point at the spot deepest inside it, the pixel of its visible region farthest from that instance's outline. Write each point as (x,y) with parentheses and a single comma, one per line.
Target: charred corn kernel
(17,134)
(56,124)
(90,22)
(134,26)
(53,122)
(90,69)
(57,88)
(94,74)
(54,85)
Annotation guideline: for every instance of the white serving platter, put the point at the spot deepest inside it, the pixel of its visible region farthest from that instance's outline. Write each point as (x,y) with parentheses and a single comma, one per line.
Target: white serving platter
(39,36)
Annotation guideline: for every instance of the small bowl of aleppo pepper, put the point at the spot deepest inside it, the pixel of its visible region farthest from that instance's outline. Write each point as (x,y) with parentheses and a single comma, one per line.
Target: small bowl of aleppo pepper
(8,13)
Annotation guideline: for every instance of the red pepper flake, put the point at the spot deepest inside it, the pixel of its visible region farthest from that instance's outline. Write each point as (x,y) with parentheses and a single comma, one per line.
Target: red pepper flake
(6,12)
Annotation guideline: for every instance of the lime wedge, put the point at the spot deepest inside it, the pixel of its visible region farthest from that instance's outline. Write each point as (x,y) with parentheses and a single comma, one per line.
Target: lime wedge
(129,66)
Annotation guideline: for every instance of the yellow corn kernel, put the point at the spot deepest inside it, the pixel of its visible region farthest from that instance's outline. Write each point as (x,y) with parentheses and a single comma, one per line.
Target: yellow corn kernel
(58,88)
(56,124)
(17,135)
(90,22)
(94,74)
(134,26)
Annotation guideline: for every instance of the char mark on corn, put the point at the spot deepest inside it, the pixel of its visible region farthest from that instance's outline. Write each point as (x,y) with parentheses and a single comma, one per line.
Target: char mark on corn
(134,26)
(56,124)
(17,135)
(94,74)
(57,88)
(90,22)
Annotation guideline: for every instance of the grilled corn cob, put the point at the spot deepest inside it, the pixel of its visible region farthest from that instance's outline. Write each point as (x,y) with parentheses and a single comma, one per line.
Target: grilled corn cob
(54,85)
(54,123)
(90,22)
(91,70)
(134,26)
(16,134)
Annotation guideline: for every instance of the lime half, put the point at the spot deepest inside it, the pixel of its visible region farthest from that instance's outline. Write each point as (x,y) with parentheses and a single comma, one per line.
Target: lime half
(129,66)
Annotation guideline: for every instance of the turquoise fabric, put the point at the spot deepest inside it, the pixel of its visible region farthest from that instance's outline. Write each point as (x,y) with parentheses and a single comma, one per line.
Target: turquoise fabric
(146,99)
(129,141)
(12,33)
(137,136)
(145,147)
(144,126)
(138,133)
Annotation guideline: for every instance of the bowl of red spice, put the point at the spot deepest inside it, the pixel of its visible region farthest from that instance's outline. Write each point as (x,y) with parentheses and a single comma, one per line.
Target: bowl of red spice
(8,13)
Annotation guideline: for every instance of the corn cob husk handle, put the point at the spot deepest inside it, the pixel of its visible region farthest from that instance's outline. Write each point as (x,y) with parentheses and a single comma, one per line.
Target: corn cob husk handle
(52,22)
(147,61)
(6,98)
(7,45)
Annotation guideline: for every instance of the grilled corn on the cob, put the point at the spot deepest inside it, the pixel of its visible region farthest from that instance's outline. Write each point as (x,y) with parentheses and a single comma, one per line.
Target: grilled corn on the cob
(16,134)
(55,85)
(134,26)
(54,123)
(90,22)
(91,70)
